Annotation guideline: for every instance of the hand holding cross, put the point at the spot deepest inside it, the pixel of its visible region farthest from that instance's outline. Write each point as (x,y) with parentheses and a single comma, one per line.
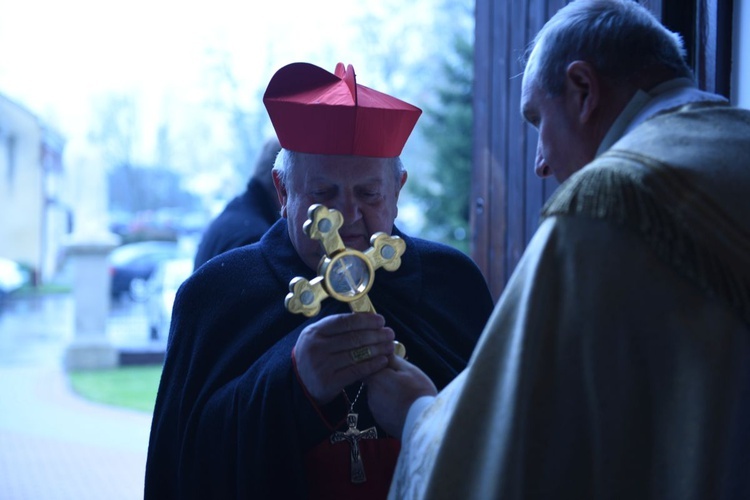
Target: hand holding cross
(344,273)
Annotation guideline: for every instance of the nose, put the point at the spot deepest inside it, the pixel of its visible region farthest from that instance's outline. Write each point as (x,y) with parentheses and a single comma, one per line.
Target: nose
(541,167)
(349,208)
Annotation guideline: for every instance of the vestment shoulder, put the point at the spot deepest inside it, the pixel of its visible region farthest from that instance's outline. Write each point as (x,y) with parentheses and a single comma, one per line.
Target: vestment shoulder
(689,230)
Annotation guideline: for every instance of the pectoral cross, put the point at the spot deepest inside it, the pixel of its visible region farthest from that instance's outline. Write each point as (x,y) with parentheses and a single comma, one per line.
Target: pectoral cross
(344,273)
(353,435)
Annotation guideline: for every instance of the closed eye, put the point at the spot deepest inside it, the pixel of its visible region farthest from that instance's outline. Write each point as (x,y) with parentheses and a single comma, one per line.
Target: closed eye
(322,194)
(368,193)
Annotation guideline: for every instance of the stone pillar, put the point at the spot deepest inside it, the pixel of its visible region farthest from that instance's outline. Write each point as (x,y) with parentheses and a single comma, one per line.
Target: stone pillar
(86,252)
(90,347)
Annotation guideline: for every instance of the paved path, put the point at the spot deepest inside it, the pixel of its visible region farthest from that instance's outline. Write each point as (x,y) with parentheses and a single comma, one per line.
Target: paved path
(53,444)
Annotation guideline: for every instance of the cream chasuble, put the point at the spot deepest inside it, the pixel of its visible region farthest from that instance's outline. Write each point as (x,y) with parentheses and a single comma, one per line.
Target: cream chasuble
(617,361)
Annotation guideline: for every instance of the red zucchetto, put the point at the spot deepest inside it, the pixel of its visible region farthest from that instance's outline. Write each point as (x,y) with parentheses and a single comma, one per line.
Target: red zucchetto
(314,111)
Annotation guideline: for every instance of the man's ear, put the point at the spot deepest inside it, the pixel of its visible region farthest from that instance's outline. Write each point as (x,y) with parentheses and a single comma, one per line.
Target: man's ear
(281,191)
(583,86)
(401,181)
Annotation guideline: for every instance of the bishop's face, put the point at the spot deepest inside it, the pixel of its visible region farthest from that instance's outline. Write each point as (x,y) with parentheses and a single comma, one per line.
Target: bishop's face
(365,191)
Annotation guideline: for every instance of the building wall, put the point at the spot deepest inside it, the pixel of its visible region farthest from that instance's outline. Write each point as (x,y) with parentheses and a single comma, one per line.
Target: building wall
(30,161)
(56,223)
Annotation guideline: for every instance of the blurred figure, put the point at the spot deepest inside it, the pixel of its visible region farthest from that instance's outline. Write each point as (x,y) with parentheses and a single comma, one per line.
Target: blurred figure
(248,216)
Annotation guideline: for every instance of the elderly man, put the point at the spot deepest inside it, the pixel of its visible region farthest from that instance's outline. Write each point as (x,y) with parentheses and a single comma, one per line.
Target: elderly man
(258,402)
(617,361)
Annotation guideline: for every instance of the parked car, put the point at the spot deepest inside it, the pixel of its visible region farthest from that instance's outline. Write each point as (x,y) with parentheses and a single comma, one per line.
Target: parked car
(12,277)
(132,264)
(162,288)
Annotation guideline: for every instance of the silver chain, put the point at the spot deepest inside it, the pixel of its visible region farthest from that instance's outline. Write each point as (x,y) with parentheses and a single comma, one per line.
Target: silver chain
(351,407)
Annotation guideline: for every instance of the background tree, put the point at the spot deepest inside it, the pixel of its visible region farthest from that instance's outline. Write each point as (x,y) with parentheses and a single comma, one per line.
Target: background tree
(146,195)
(448,128)
(116,130)
(241,111)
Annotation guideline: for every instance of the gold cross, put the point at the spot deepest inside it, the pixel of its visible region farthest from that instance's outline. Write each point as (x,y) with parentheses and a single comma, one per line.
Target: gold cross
(343,273)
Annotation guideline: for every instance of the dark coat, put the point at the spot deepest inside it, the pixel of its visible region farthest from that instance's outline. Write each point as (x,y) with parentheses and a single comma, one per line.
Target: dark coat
(242,222)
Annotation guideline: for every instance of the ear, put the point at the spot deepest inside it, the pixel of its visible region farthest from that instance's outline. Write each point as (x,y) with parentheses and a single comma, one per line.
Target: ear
(401,182)
(583,89)
(281,192)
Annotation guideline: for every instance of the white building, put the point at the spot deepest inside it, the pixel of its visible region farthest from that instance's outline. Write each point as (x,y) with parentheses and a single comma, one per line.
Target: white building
(34,218)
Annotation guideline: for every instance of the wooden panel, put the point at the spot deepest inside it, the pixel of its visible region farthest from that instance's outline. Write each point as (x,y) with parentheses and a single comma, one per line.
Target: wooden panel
(706,28)
(507,195)
(489,182)
(498,224)
(713,49)
(515,151)
(482,158)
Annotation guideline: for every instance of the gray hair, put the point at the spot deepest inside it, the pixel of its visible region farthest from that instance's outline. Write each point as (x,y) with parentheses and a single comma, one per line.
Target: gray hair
(620,38)
(286,161)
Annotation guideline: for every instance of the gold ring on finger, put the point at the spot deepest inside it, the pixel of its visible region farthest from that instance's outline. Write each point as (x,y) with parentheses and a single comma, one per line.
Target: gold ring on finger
(360,354)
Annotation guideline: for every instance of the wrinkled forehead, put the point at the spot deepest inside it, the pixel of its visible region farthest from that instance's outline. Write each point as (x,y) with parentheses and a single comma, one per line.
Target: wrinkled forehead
(535,82)
(531,69)
(342,169)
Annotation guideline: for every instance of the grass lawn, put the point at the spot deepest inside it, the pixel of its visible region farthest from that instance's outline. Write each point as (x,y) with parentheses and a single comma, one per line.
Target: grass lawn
(131,387)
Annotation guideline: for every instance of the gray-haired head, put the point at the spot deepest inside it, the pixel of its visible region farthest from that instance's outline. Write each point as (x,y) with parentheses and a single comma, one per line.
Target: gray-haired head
(620,38)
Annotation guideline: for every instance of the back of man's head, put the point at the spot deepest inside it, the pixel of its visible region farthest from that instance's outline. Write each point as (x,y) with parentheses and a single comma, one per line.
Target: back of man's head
(620,38)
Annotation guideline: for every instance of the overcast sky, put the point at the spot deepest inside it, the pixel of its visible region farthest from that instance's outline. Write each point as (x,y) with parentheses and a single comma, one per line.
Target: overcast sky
(61,59)
(56,55)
